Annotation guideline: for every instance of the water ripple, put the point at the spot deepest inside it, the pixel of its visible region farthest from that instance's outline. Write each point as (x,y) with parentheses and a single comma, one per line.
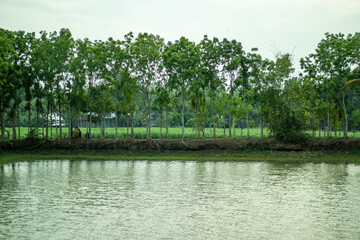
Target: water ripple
(178,200)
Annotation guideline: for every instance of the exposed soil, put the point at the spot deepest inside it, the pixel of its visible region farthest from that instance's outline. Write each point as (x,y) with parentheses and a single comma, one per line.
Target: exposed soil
(188,144)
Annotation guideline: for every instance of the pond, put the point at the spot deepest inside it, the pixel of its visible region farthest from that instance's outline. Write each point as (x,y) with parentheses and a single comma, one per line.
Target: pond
(78,199)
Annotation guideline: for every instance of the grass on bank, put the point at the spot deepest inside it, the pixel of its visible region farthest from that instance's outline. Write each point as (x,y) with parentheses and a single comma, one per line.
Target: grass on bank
(243,156)
(174,133)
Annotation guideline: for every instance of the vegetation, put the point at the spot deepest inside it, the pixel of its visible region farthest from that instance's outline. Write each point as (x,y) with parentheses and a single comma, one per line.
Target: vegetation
(211,89)
(244,156)
(173,133)
(156,133)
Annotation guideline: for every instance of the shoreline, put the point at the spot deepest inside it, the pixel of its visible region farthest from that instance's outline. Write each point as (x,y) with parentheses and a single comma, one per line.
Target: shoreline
(312,144)
(329,150)
(329,156)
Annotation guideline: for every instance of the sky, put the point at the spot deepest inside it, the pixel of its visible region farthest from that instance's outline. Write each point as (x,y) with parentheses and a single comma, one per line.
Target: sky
(288,26)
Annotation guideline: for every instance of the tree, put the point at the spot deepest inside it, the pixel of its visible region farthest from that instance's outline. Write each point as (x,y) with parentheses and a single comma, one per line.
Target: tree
(238,112)
(181,60)
(24,72)
(243,83)
(356,118)
(161,101)
(210,61)
(146,52)
(261,78)
(231,57)
(285,123)
(336,56)
(7,57)
(102,104)
(93,58)
(73,87)
(129,106)
(117,64)
(43,61)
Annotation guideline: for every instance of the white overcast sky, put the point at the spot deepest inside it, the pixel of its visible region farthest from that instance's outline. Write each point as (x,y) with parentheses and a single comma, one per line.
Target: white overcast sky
(294,26)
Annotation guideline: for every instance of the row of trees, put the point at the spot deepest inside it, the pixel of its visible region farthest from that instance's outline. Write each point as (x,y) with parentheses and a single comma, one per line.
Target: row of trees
(54,73)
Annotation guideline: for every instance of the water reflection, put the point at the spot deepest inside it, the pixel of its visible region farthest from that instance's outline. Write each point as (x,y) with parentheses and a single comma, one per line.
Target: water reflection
(178,200)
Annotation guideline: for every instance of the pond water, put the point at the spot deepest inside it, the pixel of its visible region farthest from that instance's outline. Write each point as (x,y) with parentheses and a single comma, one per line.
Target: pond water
(178,200)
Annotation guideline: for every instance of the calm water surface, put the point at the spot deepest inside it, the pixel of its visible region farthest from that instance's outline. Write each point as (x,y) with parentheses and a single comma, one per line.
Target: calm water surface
(178,200)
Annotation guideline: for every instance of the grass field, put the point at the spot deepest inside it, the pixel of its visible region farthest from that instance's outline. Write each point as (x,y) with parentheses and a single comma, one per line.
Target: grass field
(174,133)
(140,133)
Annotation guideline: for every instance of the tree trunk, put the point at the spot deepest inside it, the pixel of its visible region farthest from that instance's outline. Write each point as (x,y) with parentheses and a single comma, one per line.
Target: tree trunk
(37,121)
(149,122)
(60,120)
(127,125)
(70,120)
(197,124)
(167,121)
(13,128)
(224,126)
(51,129)
(328,127)
(182,116)
(345,125)
(224,118)
(90,125)
(214,120)
(235,129)
(43,125)
(149,116)
(335,124)
(261,128)
(132,126)
(241,131)
(230,105)
(146,118)
(29,119)
(313,125)
(161,120)
(230,121)
(204,114)
(47,121)
(247,120)
(18,122)
(116,126)
(102,128)
(2,123)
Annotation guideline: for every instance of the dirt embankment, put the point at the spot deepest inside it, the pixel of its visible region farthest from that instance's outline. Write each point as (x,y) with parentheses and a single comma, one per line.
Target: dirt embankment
(189,144)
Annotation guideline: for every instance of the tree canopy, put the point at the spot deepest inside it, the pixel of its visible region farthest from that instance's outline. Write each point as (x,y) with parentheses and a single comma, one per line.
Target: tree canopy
(211,84)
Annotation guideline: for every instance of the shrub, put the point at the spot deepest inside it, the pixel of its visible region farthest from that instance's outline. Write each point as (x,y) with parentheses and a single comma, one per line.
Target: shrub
(287,126)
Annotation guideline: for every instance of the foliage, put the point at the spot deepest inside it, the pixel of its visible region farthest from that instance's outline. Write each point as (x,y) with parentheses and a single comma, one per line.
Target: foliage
(203,85)
(285,125)
(356,118)
(33,133)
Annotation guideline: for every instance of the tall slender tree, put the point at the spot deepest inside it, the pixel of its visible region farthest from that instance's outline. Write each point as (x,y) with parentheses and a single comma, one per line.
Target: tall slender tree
(146,51)
(231,56)
(210,60)
(181,60)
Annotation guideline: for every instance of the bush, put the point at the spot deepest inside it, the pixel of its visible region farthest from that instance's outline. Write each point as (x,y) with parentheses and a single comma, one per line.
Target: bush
(286,126)
(33,133)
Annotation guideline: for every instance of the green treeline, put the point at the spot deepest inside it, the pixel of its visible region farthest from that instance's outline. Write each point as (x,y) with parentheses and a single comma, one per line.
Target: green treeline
(51,80)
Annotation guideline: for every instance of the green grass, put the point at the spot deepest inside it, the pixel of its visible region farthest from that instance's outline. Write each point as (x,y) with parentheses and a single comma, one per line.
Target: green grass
(244,156)
(174,133)
(140,133)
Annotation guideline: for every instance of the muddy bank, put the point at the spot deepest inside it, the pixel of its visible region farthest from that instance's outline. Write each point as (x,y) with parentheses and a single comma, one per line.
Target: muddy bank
(189,144)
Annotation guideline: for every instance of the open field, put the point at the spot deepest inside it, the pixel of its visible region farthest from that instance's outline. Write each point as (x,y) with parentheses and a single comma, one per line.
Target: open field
(174,133)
